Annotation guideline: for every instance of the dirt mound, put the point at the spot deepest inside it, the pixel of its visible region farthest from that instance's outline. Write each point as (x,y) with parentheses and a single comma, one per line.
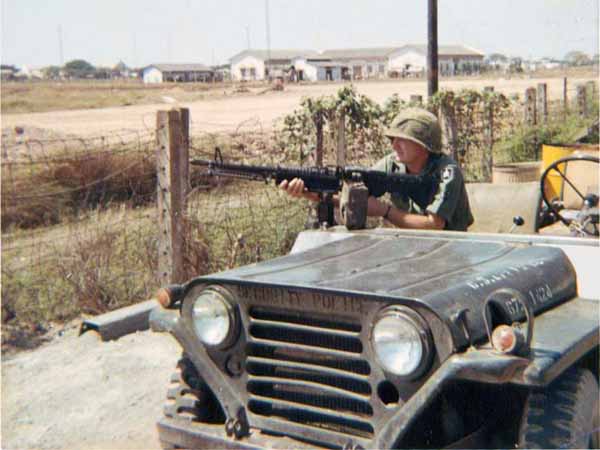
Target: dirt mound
(78,392)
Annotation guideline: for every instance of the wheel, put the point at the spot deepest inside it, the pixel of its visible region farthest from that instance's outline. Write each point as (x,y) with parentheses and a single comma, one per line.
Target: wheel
(564,415)
(553,208)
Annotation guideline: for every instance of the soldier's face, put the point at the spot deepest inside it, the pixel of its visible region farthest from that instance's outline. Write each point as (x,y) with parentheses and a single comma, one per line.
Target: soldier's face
(408,152)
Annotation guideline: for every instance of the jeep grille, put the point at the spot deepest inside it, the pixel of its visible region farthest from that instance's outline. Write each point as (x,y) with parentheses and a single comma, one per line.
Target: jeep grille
(308,371)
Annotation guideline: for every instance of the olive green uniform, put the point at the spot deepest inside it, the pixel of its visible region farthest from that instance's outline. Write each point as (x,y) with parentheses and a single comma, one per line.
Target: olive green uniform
(449,200)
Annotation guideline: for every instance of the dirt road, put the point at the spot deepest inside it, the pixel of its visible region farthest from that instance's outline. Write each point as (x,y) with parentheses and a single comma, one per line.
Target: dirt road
(79,393)
(227,113)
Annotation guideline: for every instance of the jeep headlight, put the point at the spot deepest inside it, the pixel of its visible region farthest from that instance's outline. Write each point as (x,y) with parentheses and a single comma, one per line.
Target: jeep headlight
(401,342)
(213,318)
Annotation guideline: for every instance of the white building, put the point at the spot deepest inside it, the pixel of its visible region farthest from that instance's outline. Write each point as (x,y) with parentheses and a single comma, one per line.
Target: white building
(159,73)
(353,64)
(452,60)
(318,69)
(361,63)
(255,64)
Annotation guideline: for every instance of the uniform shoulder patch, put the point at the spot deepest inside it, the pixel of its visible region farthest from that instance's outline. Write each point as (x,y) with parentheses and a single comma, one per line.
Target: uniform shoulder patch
(447,173)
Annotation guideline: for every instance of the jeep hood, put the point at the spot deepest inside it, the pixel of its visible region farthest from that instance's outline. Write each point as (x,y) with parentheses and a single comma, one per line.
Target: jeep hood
(445,275)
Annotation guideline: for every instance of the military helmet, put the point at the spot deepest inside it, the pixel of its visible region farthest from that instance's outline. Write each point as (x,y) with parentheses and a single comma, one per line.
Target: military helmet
(417,125)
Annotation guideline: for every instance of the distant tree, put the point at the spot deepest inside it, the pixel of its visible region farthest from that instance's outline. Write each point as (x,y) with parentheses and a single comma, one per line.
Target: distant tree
(79,68)
(497,57)
(516,65)
(52,72)
(121,67)
(577,58)
(103,73)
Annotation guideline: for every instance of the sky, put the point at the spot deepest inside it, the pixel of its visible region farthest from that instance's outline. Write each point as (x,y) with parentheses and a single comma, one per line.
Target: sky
(144,32)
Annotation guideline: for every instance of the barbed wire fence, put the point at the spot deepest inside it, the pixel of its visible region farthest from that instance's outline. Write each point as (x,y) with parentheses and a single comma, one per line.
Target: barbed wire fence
(79,218)
(80,227)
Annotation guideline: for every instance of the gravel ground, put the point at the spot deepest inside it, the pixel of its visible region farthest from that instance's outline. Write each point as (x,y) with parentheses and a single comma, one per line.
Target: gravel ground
(79,392)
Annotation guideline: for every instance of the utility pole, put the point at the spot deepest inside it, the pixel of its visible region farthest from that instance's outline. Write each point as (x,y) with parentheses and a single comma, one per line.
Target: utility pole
(60,45)
(432,48)
(268,37)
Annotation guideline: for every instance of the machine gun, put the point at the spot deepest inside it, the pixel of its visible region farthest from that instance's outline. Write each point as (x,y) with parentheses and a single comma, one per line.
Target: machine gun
(355,183)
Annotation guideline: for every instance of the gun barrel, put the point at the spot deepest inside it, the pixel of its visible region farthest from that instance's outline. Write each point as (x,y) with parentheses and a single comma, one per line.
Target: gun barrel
(321,179)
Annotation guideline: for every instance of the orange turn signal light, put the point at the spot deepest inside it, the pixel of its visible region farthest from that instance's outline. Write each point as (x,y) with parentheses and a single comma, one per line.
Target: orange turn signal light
(504,338)
(163,296)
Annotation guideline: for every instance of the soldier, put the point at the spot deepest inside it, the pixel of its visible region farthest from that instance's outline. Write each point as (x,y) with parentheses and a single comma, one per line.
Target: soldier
(416,139)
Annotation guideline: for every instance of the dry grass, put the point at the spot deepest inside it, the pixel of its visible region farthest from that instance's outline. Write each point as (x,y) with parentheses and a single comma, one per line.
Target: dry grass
(46,194)
(40,96)
(80,237)
(23,97)
(109,259)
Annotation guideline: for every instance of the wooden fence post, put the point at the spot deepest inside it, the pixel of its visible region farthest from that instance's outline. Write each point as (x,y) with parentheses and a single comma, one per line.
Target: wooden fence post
(488,160)
(489,157)
(172,160)
(542,102)
(341,141)
(318,119)
(530,111)
(590,88)
(581,100)
(565,97)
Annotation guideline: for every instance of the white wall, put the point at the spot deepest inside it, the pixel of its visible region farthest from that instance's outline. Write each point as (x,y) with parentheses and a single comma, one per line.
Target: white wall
(248,62)
(309,71)
(336,74)
(447,65)
(398,60)
(364,68)
(152,75)
(458,64)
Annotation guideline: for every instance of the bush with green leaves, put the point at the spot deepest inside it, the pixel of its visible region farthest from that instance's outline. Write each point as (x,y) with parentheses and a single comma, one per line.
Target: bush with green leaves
(524,142)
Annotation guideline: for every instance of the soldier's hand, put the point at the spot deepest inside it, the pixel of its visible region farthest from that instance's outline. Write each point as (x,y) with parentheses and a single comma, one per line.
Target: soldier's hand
(296,189)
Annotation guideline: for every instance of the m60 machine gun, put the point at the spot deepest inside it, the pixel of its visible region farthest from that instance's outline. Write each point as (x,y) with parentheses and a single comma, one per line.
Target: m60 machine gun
(356,184)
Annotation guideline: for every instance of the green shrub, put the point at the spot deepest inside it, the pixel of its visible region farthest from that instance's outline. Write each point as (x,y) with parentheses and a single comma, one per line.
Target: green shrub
(524,143)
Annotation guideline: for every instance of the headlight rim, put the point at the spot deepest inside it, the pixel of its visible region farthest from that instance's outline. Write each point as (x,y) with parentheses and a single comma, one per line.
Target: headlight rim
(423,331)
(230,304)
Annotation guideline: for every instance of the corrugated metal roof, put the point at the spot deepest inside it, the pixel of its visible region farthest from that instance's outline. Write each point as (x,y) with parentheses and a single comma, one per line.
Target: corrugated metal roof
(276,54)
(320,63)
(444,49)
(358,53)
(355,53)
(182,67)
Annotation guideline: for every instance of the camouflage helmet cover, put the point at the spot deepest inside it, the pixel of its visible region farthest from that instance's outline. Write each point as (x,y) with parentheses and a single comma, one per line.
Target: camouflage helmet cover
(417,125)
